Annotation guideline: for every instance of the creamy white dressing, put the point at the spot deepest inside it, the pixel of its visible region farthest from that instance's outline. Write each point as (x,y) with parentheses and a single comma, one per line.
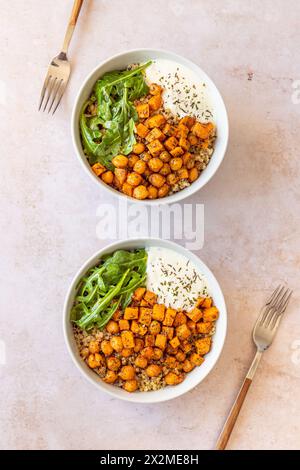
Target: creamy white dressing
(174,278)
(184,92)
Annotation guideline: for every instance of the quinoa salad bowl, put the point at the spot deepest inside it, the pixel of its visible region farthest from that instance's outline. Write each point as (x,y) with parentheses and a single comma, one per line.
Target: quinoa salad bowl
(150,126)
(145,320)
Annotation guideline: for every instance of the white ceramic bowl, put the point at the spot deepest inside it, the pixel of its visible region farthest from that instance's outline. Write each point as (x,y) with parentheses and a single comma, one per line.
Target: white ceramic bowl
(121,61)
(193,378)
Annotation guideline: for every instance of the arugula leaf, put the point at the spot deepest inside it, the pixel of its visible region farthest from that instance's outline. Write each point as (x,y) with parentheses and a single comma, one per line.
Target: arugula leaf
(107,286)
(112,131)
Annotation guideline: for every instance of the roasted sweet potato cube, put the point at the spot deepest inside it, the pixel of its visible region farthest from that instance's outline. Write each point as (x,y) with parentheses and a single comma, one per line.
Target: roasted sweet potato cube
(207,302)
(180,319)
(144,303)
(155,102)
(120,176)
(135,328)
(203,345)
(203,131)
(169,130)
(182,131)
(188,121)
(158,312)
(175,342)
(168,331)
(195,314)
(131,313)
(157,120)
(204,327)
(177,152)
(183,332)
(145,316)
(196,359)
(127,339)
(139,293)
(143,110)
(142,130)
(169,317)
(210,314)
(200,301)
(186,346)
(155,147)
(155,133)
(155,89)
(171,143)
(161,341)
(184,143)
(98,169)
(149,340)
(150,297)
(124,324)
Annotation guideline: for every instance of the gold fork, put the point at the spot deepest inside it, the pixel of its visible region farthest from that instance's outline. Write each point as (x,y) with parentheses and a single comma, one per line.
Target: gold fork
(263,334)
(59,69)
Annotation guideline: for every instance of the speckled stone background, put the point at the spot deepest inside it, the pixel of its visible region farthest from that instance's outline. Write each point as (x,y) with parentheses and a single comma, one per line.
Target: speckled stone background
(48,220)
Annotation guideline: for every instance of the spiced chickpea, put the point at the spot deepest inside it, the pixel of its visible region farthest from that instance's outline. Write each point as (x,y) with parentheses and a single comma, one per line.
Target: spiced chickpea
(84,353)
(193,174)
(134,179)
(176,163)
(126,352)
(94,347)
(139,167)
(139,344)
(112,327)
(116,343)
(180,356)
(140,192)
(130,385)
(110,377)
(107,177)
(157,180)
(106,348)
(164,190)
(172,179)
(165,156)
(157,354)
(138,148)
(154,327)
(165,169)
(155,164)
(141,362)
(127,373)
(120,161)
(132,160)
(153,370)
(113,363)
(152,192)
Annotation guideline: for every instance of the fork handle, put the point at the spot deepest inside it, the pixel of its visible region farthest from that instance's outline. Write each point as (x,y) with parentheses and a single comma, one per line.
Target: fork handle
(72,23)
(235,410)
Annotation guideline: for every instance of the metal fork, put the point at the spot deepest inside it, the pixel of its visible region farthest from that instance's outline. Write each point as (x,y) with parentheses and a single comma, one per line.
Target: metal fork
(59,70)
(263,334)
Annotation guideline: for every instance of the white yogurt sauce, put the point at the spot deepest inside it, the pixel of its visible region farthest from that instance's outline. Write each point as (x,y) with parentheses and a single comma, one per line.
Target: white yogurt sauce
(184,92)
(174,278)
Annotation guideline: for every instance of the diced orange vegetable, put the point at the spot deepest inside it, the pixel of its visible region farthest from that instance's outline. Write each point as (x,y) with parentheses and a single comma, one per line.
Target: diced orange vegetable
(161,341)
(155,102)
(203,345)
(124,325)
(131,313)
(195,314)
(98,169)
(138,293)
(142,130)
(127,339)
(210,314)
(156,121)
(171,143)
(175,342)
(155,133)
(150,297)
(143,110)
(168,331)
(169,317)
(158,312)
(145,316)
(183,332)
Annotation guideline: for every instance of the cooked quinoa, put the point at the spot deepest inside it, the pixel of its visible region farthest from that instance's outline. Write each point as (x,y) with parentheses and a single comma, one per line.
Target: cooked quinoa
(165,344)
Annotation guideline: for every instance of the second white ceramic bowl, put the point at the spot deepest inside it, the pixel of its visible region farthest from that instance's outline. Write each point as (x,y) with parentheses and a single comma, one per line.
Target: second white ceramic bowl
(193,378)
(121,61)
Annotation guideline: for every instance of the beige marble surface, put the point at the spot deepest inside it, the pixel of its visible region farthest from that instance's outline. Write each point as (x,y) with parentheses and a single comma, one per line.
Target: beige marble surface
(48,220)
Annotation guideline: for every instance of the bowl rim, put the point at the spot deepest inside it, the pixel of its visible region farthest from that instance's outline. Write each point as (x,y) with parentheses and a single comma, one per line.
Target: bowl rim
(196,185)
(140,397)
